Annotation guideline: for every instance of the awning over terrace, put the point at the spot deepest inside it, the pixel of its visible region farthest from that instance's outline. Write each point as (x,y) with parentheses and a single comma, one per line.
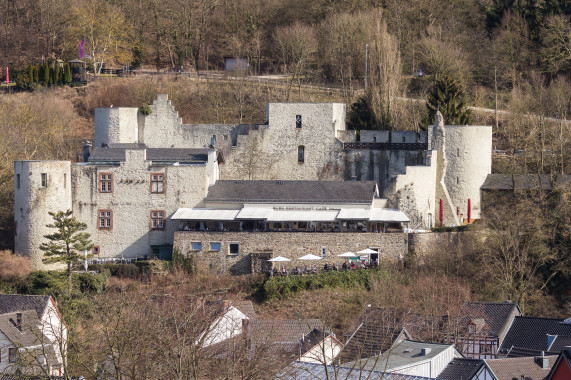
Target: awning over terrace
(387,215)
(254,213)
(303,215)
(204,214)
(353,214)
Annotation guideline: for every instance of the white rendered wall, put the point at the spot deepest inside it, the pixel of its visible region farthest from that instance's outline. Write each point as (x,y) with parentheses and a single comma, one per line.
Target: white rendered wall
(469,161)
(33,202)
(115,125)
(132,202)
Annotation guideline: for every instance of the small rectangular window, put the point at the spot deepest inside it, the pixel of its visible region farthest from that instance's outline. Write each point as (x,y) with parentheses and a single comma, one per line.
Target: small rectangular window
(17,181)
(157,183)
(96,250)
(64,180)
(157,219)
(298,121)
(44,180)
(12,355)
(300,154)
(234,248)
(215,246)
(323,252)
(458,152)
(196,246)
(105,219)
(105,182)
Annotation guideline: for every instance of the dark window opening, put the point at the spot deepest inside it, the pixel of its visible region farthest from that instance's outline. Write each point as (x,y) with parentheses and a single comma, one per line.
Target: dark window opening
(298,121)
(44,180)
(234,248)
(301,153)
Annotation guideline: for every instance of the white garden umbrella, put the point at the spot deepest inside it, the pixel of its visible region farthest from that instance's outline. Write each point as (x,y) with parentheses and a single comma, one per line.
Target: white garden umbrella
(279,259)
(348,254)
(309,257)
(367,251)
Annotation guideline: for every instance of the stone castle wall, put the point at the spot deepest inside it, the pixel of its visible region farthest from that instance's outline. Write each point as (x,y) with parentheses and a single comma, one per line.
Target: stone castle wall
(393,246)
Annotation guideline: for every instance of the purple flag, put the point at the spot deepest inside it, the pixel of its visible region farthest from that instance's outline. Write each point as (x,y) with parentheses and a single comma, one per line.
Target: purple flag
(82,49)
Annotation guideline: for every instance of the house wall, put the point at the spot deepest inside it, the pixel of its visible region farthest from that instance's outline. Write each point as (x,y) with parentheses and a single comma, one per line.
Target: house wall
(132,202)
(5,345)
(116,126)
(225,327)
(287,244)
(33,202)
(54,329)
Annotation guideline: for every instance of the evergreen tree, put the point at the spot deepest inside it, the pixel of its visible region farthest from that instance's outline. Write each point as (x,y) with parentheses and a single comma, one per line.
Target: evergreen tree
(361,116)
(36,74)
(67,76)
(31,73)
(67,244)
(46,77)
(448,98)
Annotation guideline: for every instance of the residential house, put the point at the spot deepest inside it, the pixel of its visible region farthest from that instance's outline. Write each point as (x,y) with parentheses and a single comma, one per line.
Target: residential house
(228,324)
(319,348)
(480,328)
(527,368)
(467,369)
(532,336)
(561,369)
(375,331)
(411,358)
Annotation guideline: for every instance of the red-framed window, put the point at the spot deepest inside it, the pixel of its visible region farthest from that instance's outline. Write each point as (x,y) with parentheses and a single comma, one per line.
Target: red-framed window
(96,250)
(105,182)
(157,183)
(157,219)
(105,219)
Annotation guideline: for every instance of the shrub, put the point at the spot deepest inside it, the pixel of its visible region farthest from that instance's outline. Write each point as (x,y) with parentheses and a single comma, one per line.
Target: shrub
(145,109)
(13,267)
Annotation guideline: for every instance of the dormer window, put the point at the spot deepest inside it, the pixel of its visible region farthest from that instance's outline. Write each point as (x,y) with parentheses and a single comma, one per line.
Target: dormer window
(298,121)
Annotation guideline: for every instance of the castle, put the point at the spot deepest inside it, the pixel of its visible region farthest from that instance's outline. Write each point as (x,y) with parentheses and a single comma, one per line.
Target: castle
(150,181)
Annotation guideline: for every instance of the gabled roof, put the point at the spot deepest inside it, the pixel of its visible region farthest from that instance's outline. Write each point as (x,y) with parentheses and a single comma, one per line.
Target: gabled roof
(404,354)
(108,154)
(282,335)
(11,303)
(292,191)
(528,336)
(374,332)
(564,359)
(461,369)
(246,307)
(494,315)
(310,371)
(516,368)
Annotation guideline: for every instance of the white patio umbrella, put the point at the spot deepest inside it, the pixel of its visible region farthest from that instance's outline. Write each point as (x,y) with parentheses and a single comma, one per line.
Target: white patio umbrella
(309,257)
(348,254)
(367,251)
(279,259)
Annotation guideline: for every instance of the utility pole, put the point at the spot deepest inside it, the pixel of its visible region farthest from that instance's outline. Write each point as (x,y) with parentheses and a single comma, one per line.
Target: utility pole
(366,64)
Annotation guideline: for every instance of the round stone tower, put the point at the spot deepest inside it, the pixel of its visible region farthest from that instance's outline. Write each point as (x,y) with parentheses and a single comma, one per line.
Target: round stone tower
(39,187)
(468,153)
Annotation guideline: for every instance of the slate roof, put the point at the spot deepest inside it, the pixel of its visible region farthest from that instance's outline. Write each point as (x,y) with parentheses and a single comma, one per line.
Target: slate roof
(246,307)
(292,191)
(521,181)
(109,154)
(461,369)
(495,315)
(527,336)
(11,303)
(374,332)
(278,335)
(406,353)
(515,368)
(310,371)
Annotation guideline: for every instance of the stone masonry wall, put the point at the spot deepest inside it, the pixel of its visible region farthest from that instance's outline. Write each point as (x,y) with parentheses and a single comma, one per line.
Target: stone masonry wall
(393,246)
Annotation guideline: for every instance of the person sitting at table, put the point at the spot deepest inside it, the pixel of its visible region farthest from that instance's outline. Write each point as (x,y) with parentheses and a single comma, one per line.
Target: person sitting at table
(325,267)
(297,271)
(284,271)
(274,272)
(353,266)
(334,268)
(344,266)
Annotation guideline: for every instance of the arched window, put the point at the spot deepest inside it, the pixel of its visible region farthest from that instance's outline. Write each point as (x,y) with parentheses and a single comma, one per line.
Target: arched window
(301,153)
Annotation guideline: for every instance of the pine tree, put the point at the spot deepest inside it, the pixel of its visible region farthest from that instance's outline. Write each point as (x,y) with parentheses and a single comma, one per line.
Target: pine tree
(46,77)
(67,244)
(448,98)
(36,74)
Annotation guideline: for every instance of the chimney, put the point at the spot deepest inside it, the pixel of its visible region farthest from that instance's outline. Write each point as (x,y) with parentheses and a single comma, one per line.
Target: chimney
(424,351)
(86,150)
(19,321)
(542,361)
